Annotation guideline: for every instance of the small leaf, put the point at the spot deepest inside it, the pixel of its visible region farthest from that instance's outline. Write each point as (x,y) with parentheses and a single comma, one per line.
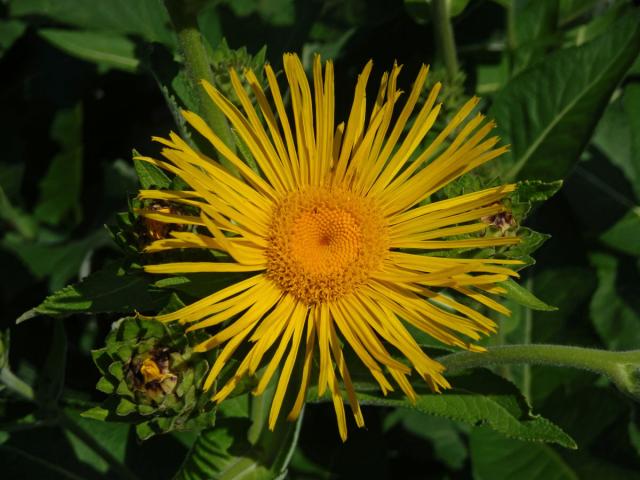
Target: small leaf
(149,175)
(529,194)
(536,191)
(521,295)
(530,241)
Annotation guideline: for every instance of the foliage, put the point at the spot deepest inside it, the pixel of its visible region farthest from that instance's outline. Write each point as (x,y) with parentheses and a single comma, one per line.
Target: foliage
(86,80)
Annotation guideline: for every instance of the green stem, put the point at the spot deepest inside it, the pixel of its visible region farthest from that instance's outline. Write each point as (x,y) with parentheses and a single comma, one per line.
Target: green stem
(196,60)
(8,378)
(69,424)
(622,368)
(527,334)
(445,40)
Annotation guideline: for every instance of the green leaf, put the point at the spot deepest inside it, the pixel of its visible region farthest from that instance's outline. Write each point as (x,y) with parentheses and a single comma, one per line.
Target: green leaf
(10,31)
(51,380)
(549,111)
(572,9)
(631,103)
(535,22)
(615,135)
(112,436)
(420,10)
(530,241)
(531,193)
(223,453)
(149,175)
(19,463)
(61,187)
(23,223)
(614,316)
(147,19)
(444,435)
(494,457)
(624,234)
(60,260)
(174,85)
(479,398)
(106,49)
(521,295)
(198,285)
(5,341)
(599,22)
(235,449)
(111,290)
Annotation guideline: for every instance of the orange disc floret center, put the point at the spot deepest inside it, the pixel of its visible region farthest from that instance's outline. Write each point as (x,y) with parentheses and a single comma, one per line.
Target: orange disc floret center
(325,242)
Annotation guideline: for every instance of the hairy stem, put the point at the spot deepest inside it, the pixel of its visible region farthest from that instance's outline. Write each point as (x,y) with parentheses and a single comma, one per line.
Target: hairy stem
(622,368)
(196,61)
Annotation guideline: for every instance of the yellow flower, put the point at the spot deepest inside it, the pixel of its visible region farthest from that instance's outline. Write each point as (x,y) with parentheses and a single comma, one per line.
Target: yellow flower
(334,234)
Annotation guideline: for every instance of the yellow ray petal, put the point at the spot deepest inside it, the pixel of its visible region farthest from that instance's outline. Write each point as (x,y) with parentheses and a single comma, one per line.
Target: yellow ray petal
(298,318)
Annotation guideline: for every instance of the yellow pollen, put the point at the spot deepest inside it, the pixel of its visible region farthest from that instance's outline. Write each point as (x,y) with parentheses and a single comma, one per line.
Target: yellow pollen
(324,243)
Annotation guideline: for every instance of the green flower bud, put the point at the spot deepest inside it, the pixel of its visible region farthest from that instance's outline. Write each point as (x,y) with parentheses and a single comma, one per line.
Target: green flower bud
(153,378)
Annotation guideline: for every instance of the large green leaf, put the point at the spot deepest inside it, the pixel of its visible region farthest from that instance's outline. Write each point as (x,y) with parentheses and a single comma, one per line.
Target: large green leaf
(535,22)
(144,18)
(477,398)
(105,49)
(498,458)
(549,111)
(616,135)
(59,260)
(111,290)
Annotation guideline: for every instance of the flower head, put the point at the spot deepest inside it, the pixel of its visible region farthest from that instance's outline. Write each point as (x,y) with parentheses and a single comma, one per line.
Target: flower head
(335,234)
